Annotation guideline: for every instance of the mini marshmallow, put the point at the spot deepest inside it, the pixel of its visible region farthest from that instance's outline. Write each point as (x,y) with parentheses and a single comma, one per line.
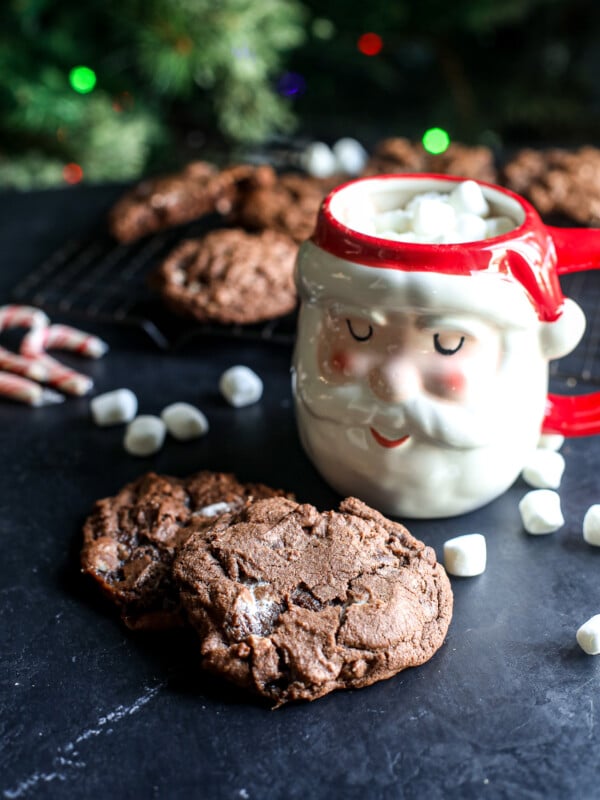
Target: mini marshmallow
(591,525)
(465,556)
(184,421)
(588,636)
(433,217)
(398,221)
(544,469)
(145,435)
(468,197)
(468,228)
(114,408)
(430,217)
(214,510)
(350,156)
(318,160)
(540,511)
(551,441)
(240,386)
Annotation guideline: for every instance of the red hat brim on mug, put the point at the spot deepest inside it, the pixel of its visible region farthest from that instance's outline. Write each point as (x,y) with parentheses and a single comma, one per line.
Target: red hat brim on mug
(525,255)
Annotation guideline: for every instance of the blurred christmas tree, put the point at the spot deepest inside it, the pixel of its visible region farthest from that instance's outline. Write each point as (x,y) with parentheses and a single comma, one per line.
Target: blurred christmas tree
(102,90)
(93,88)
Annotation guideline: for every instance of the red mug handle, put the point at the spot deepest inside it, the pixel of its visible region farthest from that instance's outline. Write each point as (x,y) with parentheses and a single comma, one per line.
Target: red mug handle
(577,249)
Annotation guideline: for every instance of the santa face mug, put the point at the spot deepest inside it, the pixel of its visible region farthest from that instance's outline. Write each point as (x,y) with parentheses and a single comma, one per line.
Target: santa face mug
(420,371)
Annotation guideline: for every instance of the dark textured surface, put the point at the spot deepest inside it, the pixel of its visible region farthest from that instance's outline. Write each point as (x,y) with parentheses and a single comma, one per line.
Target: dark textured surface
(506,709)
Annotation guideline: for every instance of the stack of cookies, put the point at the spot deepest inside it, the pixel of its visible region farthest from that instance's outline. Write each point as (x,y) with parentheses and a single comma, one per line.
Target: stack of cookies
(288,602)
(241,274)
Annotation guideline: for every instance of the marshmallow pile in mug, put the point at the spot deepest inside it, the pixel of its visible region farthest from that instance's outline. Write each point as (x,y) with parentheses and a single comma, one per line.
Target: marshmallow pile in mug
(462,215)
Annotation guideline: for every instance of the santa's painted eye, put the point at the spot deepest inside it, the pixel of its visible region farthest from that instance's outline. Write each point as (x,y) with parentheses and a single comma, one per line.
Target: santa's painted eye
(446,351)
(363,335)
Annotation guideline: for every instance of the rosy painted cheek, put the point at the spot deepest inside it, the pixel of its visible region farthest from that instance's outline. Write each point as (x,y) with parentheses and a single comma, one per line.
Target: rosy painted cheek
(340,361)
(447,384)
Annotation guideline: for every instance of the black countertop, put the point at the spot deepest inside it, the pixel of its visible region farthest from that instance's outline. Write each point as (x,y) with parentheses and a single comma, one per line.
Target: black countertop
(506,709)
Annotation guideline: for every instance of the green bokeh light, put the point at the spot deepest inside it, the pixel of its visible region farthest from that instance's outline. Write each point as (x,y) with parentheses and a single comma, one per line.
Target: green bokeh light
(82,79)
(323,28)
(436,140)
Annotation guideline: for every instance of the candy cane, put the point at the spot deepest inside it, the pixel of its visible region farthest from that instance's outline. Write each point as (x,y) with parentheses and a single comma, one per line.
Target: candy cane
(16,316)
(27,367)
(63,378)
(62,337)
(22,390)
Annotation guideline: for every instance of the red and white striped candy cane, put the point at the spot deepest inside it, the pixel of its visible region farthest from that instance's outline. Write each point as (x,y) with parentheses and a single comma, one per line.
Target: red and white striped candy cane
(63,378)
(17,316)
(27,367)
(22,390)
(62,337)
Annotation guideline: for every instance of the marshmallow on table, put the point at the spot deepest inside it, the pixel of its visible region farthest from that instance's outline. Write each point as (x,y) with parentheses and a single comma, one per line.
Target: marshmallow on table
(544,469)
(540,511)
(114,408)
(588,636)
(591,525)
(350,155)
(184,421)
(318,160)
(465,556)
(551,441)
(240,386)
(145,435)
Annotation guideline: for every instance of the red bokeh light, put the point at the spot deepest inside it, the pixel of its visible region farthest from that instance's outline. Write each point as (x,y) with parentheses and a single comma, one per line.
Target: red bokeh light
(72,173)
(370,44)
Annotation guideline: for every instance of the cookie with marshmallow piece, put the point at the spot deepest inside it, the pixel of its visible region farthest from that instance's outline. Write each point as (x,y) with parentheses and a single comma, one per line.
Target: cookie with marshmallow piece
(292,603)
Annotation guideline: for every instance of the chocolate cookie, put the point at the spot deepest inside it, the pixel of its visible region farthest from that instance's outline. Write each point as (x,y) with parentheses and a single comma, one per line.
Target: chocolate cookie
(293,603)
(401,155)
(130,540)
(286,203)
(558,181)
(163,202)
(230,276)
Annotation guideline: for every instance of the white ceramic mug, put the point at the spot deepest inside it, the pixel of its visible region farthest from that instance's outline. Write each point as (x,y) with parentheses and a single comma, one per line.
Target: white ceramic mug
(420,372)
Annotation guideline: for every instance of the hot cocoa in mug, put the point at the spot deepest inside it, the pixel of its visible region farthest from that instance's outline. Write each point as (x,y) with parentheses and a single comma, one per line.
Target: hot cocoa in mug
(420,371)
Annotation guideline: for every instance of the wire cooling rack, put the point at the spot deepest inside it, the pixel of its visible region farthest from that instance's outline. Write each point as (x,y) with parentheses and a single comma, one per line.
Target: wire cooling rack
(95,279)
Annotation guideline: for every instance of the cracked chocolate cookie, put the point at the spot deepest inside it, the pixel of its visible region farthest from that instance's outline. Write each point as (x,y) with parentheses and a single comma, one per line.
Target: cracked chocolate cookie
(163,202)
(293,603)
(230,276)
(130,540)
(286,203)
(557,181)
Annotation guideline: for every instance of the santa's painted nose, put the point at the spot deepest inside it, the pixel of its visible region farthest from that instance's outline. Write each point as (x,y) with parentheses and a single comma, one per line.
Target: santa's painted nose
(395,381)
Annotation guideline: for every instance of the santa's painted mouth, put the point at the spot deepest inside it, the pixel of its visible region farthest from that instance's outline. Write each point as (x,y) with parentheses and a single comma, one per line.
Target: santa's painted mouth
(387,442)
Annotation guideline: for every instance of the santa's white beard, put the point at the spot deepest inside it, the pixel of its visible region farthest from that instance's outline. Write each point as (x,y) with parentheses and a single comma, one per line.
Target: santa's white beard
(419,478)
(456,458)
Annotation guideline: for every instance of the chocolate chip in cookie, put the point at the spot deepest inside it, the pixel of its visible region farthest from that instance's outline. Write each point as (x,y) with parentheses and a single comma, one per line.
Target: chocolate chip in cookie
(292,603)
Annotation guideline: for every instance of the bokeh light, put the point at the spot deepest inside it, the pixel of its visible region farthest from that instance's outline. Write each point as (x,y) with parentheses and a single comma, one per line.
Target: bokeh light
(436,141)
(290,84)
(72,173)
(370,44)
(82,79)
(323,28)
